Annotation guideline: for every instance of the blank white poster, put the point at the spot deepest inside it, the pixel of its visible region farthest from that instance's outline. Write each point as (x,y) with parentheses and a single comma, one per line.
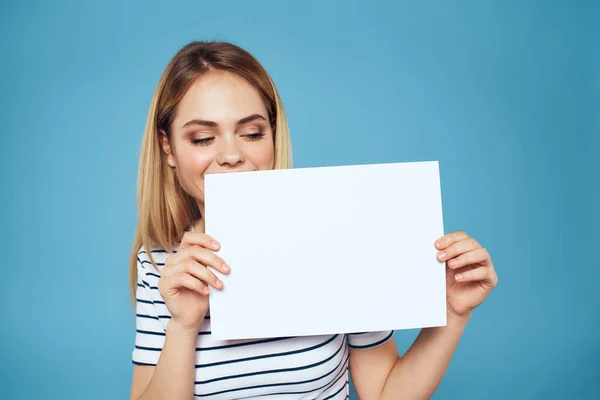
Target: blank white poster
(326,250)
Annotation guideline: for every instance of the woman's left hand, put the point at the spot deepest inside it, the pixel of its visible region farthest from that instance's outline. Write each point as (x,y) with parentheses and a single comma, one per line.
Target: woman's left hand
(470,274)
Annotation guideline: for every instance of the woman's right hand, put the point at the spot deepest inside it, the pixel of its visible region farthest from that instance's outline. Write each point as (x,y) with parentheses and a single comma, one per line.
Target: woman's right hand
(185,278)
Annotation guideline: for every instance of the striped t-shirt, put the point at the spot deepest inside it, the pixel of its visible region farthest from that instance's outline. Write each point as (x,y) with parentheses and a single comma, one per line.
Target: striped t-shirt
(306,367)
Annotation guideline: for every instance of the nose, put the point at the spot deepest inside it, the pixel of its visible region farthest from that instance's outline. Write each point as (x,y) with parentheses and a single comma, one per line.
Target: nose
(230,154)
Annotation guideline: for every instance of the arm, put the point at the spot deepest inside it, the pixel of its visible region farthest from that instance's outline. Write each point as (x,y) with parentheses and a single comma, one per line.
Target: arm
(173,376)
(419,372)
(379,373)
(165,357)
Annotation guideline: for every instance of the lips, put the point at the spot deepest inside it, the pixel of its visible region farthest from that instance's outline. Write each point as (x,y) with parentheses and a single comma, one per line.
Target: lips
(232,171)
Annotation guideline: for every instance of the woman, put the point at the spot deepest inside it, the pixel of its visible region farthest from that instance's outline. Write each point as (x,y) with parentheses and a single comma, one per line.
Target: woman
(216,110)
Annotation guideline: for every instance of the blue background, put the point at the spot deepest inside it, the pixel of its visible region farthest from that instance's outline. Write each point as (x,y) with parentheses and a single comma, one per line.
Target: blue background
(504,94)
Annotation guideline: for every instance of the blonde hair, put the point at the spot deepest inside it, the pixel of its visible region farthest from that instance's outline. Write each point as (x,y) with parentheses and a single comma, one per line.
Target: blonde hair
(165,210)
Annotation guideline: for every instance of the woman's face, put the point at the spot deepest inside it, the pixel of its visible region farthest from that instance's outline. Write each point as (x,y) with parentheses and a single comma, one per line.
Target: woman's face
(221,125)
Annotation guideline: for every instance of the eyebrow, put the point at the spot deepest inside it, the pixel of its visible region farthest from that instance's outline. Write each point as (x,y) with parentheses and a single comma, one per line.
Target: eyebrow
(242,121)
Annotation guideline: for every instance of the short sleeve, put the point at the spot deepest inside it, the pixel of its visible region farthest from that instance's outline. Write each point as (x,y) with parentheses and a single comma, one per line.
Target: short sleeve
(150,332)
(367,340)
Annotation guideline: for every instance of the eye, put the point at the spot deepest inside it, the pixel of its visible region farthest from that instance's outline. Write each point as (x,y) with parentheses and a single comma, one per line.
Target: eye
(203,141)
(255,136)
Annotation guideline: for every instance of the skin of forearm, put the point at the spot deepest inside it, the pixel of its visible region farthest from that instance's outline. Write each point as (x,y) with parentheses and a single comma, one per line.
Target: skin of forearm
(174,375)
(418,373)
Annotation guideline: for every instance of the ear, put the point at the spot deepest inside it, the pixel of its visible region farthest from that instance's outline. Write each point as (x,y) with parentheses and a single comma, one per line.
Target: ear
(166,146)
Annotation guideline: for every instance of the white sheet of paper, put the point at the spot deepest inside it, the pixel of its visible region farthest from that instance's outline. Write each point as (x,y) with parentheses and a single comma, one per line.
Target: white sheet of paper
(327,250)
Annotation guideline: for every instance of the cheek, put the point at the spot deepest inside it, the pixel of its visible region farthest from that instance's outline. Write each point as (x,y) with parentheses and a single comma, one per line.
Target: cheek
(194,163)
(264,158)
(191,169)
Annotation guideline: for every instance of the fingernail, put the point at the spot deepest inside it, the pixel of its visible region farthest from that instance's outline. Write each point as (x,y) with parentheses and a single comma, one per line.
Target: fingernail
(441,255)
(458,277)
(452,263)
(439,242)
(219,283)
(216,244)
(206,290)
(226,267)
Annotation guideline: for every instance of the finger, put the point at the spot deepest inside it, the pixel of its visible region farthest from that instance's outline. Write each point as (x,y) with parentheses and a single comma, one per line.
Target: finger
(457,249)
(198,271)
(187,281)
(477,274)
(472,257)
(200,254)
(210,259)
(494,279)
(199,239)
(449,239)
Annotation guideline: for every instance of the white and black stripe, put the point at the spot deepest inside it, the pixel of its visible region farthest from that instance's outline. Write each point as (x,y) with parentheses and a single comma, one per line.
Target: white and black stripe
(307,367)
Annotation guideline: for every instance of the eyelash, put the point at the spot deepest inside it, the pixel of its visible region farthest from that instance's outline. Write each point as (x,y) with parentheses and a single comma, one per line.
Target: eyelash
(253,137)
(202,142)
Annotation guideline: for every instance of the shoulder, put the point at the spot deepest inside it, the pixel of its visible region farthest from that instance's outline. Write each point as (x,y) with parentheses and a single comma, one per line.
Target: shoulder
(151,259)
(366,340)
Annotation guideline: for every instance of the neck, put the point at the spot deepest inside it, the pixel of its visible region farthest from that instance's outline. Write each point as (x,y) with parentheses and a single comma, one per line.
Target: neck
(199,225)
